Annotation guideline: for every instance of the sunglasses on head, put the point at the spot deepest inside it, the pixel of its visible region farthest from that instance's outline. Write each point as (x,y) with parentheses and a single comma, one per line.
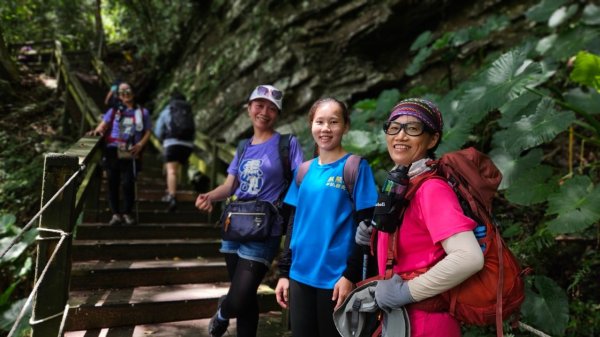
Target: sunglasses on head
(411,128)
(264,91)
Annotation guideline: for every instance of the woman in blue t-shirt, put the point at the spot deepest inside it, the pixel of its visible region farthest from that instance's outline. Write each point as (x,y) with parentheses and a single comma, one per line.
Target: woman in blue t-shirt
(258,175)
(321,262)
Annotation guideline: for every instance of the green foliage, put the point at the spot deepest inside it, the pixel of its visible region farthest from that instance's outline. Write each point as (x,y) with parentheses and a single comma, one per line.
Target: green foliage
(15,265)
(546,305)
(449,41)
(153,27)
(575,204)
(536,129)
(586,70)
(520,107)
(71,21)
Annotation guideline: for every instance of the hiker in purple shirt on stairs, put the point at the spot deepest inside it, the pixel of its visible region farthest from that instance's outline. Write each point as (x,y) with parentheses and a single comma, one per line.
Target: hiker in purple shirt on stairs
(258,175)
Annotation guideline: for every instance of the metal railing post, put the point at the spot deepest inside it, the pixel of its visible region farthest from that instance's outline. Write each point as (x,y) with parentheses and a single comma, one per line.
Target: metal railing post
(53,292)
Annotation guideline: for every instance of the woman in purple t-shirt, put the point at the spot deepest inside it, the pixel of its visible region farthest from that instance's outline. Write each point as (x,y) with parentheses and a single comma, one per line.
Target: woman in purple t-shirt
(257,175)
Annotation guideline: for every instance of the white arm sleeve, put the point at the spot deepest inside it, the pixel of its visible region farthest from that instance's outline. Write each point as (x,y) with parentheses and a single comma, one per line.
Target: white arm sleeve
(464,258)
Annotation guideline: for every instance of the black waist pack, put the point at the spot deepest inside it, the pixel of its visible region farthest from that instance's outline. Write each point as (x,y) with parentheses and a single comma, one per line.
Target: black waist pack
(248,220)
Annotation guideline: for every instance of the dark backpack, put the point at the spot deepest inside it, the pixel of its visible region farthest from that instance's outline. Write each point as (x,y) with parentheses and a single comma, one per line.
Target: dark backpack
(496,291)
(182,124)
(350,173)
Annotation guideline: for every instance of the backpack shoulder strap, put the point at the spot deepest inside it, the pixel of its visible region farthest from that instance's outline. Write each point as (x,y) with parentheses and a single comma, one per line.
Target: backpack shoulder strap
(350,172)
(284,156)
(240,150)
(302,169)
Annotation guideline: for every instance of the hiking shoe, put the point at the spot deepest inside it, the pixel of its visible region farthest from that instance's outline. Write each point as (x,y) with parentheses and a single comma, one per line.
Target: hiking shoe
(129,220)
(216,326)
(172,205)
(116,220)
(171,202)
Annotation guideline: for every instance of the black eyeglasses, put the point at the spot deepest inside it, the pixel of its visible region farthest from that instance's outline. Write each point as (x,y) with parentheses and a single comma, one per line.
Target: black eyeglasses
(264,91)
(411,129)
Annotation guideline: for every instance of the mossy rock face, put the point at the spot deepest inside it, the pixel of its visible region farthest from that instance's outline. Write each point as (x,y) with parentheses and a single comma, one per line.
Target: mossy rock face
(309,49)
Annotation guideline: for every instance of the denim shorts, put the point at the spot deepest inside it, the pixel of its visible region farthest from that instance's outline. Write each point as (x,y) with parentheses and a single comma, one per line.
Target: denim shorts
(259,251)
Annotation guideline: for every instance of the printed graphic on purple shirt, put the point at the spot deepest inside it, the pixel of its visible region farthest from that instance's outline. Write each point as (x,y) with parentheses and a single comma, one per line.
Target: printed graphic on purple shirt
(251,176)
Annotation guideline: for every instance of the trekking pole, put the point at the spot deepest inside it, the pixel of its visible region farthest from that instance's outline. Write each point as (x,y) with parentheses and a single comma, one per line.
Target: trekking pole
(365,262)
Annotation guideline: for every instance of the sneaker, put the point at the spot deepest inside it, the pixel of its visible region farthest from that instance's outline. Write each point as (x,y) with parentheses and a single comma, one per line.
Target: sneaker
(129,220)
(116,220)
(171,202)
(216,326)
(172,207)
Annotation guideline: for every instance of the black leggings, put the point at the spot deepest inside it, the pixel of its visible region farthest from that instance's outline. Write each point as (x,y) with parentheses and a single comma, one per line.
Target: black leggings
(120,172)
(311,311)
(242,301)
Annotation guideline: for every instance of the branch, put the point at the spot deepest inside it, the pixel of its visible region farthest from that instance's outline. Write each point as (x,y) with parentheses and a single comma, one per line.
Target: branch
(532,330)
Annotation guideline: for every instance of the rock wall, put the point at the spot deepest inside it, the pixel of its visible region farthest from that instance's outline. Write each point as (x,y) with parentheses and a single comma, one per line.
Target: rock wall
(309,49)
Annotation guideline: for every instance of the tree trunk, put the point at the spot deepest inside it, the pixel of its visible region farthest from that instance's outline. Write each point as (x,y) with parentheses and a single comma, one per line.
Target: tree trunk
(8,69)
(100,36)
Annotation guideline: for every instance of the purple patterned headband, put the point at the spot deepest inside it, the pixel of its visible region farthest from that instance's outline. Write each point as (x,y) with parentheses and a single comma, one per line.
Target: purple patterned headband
(422,109)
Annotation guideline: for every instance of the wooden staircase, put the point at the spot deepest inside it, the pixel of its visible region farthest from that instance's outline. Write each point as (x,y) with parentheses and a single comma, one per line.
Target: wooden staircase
(161,277)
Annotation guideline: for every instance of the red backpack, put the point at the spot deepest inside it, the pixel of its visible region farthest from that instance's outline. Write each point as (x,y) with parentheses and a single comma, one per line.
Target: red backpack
(496,291)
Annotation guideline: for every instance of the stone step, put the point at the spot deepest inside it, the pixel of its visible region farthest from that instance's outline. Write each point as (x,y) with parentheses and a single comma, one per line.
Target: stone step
(103,231)
(127,249)
(135,273)
(106,308)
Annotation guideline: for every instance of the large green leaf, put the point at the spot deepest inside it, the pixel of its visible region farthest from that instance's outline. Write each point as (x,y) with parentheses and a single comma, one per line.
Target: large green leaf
(362,142)
(531,187)
(569,43)
(8,317)
(417,62)
(523,105)
(385,102)
(562,15)
(536,129)
(422,41)
(546,306)
(575,204)
(504,80)
(454,137)
(591,15)
(586,70)
(587,101)
(512,166)
(7,222)
(542,11)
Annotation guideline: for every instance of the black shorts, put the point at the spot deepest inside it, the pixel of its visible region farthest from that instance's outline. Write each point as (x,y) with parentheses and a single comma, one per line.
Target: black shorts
(179,153)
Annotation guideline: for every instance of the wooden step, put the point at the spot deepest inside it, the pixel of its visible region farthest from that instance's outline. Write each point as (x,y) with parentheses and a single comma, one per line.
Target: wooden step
(135,273)
(103,231)
(149,216)
(106,250)
(155,194)
(270,324)
(155,205)
(147,305)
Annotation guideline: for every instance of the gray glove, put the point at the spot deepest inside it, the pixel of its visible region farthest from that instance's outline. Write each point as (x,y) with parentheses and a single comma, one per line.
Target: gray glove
(392,293)
(363,234)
